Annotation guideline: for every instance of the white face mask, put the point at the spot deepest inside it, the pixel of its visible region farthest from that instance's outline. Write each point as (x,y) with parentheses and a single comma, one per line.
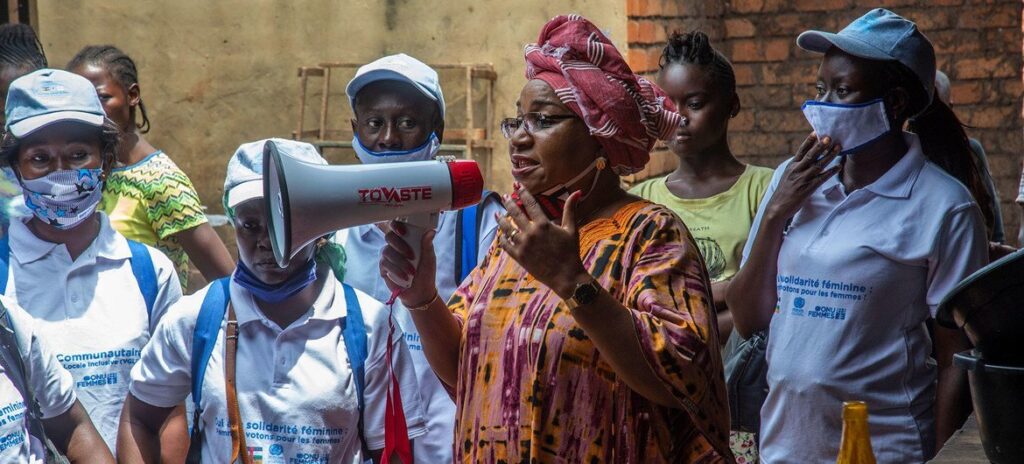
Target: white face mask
(561,191)
(552,200)
(851,126)
(425,152)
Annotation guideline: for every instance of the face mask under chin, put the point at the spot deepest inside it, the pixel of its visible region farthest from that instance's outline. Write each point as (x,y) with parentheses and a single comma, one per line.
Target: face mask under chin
(275,293)
(552,200)
(425,152)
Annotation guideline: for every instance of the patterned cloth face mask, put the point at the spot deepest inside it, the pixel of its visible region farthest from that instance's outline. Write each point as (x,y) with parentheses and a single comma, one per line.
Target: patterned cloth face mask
(64,199)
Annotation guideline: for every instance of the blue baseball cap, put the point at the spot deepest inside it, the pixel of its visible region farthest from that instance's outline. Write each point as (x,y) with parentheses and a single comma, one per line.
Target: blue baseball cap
(400,67)
(47,96)
(880,35)
(244,180)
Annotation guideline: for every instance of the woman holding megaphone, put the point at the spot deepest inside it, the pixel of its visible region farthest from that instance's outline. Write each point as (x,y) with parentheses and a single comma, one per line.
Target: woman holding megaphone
(588,331)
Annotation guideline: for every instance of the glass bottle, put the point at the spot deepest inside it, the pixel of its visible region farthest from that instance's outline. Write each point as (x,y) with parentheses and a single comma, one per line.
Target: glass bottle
(855,447)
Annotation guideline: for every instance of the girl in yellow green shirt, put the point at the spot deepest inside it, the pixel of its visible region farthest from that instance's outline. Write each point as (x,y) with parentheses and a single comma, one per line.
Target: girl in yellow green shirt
(148,198)
(714,193)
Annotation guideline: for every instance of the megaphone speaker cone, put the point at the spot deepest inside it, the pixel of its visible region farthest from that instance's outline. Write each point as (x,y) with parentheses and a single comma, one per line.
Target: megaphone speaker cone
(275,198)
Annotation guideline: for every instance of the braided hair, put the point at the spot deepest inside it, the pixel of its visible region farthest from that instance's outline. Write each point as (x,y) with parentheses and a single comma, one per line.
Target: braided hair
(20,48)
(695,48)
(119,65)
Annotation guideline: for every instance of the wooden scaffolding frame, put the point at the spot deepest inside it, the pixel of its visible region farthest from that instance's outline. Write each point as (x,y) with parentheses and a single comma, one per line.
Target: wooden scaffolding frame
(464,138)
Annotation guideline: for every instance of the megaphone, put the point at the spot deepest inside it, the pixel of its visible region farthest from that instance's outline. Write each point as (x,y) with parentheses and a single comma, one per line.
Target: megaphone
(306,201)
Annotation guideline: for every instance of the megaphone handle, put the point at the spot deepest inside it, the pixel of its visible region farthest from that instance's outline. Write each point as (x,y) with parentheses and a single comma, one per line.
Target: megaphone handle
(414,238)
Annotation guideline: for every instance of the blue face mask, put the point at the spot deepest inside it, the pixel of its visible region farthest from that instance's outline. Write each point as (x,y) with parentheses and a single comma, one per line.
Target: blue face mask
(279,292)
(425,152)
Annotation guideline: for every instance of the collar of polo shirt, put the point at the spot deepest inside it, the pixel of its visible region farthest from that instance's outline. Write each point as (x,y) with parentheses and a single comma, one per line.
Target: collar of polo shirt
(27,248)
(323,307)
(899,180)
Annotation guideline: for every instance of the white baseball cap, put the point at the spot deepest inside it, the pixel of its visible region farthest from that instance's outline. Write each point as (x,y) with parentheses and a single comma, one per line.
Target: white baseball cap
(47,96)
(400,67)
(244,180)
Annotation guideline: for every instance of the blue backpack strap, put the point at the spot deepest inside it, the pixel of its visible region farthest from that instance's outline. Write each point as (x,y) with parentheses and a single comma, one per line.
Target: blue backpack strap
(466,259)
(211,313)
(5,262)
(354,334)
(145,273)
(468,237)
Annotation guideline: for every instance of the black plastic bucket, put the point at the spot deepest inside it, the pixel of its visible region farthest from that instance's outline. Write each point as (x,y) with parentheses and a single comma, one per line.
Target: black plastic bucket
(989,306)
(998,396)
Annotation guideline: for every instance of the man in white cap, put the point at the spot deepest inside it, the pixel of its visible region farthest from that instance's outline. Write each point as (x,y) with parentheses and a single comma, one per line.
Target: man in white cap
(399,117)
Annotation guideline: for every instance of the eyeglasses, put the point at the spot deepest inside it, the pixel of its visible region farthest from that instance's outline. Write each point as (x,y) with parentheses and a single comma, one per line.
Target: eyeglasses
(535,122)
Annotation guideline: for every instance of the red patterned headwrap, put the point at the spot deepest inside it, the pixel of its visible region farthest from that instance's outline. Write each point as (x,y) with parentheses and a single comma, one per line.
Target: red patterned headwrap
(627,113)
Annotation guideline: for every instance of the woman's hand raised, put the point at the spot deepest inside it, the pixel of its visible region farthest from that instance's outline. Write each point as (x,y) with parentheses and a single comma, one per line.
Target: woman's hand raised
(549,251)
(803,176)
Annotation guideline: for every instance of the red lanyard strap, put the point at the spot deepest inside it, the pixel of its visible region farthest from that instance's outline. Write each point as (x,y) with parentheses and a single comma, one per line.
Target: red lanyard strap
(396,432)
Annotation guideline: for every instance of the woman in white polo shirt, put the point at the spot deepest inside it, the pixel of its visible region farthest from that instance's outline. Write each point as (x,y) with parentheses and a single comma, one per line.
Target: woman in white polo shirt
(296,392)
(61,416)
(863,235)
(96,296)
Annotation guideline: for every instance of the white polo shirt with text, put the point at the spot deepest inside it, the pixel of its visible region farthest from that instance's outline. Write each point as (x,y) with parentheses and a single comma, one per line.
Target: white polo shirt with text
(296,391)
(90,311)
(859,274)
(50,383)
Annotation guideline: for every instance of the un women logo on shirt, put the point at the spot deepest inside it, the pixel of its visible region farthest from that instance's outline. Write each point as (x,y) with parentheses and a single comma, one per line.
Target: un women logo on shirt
(11,440)
(798,306)
(97,380)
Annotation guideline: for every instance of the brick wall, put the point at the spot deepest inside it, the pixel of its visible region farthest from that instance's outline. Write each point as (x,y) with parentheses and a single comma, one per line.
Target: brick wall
(978,44)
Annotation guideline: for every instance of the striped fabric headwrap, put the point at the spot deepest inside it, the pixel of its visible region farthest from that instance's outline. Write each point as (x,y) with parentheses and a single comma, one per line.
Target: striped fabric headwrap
(626,112)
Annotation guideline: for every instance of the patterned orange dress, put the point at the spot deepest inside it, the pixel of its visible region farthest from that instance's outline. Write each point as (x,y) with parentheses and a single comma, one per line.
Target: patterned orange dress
(533,388)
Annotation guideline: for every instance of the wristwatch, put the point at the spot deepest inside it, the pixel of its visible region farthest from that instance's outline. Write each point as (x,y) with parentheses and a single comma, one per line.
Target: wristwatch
(584,294)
